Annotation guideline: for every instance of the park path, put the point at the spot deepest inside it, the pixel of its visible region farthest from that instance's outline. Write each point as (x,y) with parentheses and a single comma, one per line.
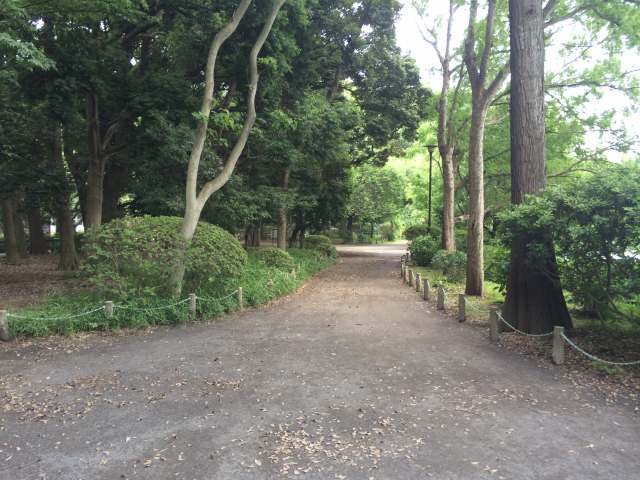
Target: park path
(354,377)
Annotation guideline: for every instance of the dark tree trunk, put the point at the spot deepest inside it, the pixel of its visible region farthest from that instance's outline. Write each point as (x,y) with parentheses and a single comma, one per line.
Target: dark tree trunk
(534,301)
(95,174)
(253,234)
(64,216)
(9,229)
(21,237)
(37,241)
(114,185)
(282,214)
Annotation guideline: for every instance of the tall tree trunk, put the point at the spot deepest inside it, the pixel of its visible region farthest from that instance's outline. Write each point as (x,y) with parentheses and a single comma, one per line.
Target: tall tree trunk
(64,216)
(9,229)
(448,201)
(282,214)
(95,174)
(114,186)
(21,237)
(475,231)
(37,241)
(534,301)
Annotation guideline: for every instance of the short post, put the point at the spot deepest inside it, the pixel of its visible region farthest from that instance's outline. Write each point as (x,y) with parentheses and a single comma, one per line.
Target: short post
(441,298)
(418,282)
(426,289)
(462,304)
(240,299)
(108,308)
(193,303)
(494,327)
(410,278)
(5,334)
(402,267)
(558,346)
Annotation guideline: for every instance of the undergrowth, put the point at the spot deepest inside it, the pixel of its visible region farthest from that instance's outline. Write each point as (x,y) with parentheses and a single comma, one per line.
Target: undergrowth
(259,282)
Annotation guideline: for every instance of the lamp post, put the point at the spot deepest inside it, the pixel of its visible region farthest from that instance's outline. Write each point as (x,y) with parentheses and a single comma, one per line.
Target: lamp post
(431,148)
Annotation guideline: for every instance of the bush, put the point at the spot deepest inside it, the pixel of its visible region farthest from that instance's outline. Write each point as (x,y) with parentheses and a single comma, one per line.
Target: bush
(321,244)
(415,231)
(136,256)
(496,263)
(423,249)
(275,257)
(452,264)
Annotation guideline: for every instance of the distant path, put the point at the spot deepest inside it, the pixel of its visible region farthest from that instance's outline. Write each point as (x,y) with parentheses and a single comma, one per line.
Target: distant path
(353,377)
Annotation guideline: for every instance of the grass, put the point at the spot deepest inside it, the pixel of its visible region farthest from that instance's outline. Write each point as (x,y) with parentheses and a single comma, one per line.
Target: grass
(260,285)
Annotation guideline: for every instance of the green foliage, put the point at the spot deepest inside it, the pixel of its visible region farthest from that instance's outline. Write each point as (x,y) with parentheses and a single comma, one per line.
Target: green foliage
(414,231)
(322,244)
(260,284)
(496,264)
(136,256)
(376,195)
(452,264)
(594,222)
(274,257)
(423,249)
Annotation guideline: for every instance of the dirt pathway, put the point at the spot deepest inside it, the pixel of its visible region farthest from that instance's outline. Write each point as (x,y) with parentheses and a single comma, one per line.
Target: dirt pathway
(352,378)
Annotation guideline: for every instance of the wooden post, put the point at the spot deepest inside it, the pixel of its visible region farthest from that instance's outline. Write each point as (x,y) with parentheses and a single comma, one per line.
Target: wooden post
(441,298)
(426,289)
(402,268)
(418,282)
(240,299)
(108,308)
(558,346)
(462,304)
(5,334)
(494,327)
(410,278)
(193,303)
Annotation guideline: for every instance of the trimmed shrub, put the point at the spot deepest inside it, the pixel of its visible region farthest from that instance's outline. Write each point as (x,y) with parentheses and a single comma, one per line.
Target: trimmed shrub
(275,257)
(415,231)
(423,249)
(136,256)
(452,264)
(320,243)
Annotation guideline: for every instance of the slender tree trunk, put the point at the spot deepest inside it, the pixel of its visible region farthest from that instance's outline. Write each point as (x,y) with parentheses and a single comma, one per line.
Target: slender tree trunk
(9,229)
(282,214)
(37,241)
(114,186)
(448,202)
(534,300)
(95,174)
(475,235)
(21,236)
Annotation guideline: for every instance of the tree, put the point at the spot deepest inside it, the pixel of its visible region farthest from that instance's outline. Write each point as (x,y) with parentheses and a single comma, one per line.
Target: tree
(195,200)
(447,129)
(534,302)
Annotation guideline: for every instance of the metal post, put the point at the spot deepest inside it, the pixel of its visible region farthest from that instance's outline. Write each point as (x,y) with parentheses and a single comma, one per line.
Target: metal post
(5,334)
(462,304)
(494,327)
(240,299)
(558,346)
(426,289)
(441,298)
(193,303)
(418,283)
(108,308)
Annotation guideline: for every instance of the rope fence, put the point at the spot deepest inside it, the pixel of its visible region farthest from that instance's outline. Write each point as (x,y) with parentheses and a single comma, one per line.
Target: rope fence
(109,307)
(495,317)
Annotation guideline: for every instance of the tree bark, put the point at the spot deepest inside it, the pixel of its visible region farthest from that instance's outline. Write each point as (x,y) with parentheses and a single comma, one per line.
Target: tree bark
(534,301)
(37,241)
(448,201)
(282,214)
(194,200)
(9,229)
(95,174)
(114,186)
(21,237)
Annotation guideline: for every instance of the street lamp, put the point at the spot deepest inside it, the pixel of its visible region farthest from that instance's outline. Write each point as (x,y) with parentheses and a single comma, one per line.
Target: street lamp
(431,148)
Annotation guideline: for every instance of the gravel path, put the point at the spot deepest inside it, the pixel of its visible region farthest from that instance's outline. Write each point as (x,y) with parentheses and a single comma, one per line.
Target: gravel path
(354,377)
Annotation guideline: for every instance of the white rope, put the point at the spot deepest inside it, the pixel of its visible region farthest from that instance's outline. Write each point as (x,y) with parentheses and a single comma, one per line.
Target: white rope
(56,318)
(593,357)
(520,331)
(136,309)
(218,299)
